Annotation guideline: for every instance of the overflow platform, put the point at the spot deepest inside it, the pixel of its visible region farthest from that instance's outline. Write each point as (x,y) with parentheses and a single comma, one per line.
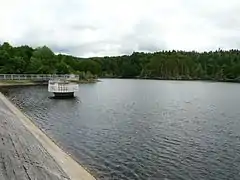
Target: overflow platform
(26,153)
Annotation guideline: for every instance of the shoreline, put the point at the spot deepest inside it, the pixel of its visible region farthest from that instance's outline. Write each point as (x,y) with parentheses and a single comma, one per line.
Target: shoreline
(173,79)
(18,83)
(74,170)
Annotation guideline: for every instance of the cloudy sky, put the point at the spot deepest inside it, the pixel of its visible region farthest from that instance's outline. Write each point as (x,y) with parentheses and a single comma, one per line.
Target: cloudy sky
(114,27)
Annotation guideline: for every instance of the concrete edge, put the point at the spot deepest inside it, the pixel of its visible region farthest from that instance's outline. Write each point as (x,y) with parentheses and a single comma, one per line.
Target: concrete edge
(74,170)
(20,83)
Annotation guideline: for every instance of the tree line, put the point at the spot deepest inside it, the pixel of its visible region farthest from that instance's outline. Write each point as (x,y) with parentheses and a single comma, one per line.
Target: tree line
(213,65)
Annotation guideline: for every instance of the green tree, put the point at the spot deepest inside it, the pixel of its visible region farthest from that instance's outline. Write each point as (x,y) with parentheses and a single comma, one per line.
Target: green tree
(216,65)
(62,68)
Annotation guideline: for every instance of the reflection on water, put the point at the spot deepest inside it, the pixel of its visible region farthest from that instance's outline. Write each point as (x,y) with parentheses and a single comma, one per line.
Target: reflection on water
(144,129)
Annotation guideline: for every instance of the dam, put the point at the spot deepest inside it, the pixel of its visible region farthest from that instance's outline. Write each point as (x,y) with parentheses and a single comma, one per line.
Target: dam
(27,153)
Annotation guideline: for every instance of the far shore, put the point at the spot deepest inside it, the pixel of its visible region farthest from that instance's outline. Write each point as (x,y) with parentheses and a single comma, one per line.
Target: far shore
(15,83)
(176,79)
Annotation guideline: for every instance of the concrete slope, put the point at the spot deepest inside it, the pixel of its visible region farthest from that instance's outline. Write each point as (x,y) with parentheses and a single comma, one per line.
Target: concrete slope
(26,153)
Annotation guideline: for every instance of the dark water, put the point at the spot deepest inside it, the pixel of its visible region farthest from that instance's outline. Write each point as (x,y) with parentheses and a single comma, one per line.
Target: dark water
(144,129)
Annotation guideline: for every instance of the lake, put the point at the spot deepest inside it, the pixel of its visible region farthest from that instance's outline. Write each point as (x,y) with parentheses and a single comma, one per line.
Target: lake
(143,129)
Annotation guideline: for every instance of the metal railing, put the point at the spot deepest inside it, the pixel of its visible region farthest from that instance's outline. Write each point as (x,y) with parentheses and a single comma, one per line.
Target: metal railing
(38,77)
(62,88)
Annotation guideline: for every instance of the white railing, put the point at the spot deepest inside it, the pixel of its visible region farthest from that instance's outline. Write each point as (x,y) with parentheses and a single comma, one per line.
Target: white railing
(38,77)
(62,88)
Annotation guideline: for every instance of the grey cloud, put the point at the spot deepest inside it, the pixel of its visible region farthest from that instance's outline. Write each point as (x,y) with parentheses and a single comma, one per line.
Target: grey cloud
(89,28)
(58,49)
(147,36)
(223,15)
(83,27)
(228,20)
(143,38)
(229,42)
(149,47)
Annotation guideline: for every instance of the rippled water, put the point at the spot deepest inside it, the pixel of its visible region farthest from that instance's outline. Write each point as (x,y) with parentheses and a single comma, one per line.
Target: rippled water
(144,129)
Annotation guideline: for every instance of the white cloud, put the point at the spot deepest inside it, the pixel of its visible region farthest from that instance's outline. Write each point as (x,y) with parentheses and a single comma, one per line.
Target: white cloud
(113,27)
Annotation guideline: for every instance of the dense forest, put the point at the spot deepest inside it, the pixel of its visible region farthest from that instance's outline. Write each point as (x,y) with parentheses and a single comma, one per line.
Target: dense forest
(217,65)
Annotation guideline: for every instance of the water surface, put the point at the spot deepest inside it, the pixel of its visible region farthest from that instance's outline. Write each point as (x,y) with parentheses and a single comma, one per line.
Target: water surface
(144,129)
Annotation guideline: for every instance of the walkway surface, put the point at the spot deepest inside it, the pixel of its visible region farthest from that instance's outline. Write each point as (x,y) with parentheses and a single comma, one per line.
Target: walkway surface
(21,155)
(27,154)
